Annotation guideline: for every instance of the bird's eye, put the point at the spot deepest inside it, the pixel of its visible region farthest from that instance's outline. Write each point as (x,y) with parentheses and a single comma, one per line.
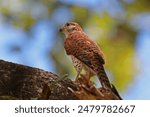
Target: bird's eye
(67,24)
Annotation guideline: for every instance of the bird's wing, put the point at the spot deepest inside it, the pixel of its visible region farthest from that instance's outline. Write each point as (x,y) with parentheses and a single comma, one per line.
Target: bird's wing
(86,51)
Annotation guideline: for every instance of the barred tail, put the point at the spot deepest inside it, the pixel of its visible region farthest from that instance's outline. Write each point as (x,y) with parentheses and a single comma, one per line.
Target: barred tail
(103,78)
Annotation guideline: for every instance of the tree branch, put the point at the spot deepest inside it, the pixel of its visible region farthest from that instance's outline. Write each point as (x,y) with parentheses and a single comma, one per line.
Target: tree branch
(23,82)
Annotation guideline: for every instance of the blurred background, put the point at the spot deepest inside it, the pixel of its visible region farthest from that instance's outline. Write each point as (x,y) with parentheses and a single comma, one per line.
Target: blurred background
(29,35)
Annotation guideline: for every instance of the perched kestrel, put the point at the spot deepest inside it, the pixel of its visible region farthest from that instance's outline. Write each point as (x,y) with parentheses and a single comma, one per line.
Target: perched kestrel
(84,52)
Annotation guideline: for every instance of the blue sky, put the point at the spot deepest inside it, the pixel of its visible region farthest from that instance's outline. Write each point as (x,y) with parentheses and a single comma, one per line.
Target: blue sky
(34,49)
(139,89)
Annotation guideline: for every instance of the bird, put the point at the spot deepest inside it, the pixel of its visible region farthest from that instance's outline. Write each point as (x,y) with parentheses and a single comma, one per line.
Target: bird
(85,53)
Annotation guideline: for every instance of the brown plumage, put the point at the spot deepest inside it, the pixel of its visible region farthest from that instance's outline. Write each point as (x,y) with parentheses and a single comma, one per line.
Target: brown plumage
(84,52)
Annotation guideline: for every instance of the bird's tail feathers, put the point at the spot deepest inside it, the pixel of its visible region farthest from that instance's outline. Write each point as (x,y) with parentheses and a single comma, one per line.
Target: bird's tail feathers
(103,78)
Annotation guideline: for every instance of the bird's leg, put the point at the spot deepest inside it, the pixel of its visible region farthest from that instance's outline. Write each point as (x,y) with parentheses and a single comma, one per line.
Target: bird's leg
(78,73)
(88,74)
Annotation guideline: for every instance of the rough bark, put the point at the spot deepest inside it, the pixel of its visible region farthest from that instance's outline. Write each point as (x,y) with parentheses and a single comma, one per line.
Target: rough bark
(24,82)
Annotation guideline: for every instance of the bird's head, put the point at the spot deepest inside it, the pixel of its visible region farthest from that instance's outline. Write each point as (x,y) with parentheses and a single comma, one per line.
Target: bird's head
(70,27)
